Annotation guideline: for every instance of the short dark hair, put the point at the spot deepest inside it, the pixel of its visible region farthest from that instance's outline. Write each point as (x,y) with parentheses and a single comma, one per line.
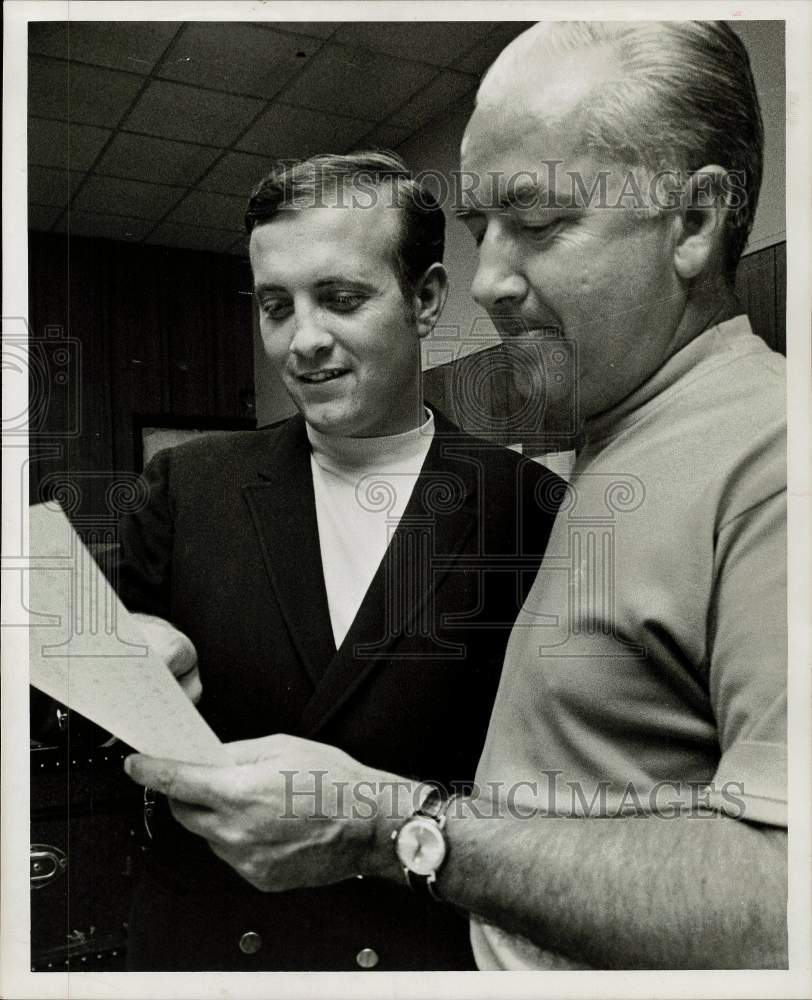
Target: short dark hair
(686,99)
(323,181)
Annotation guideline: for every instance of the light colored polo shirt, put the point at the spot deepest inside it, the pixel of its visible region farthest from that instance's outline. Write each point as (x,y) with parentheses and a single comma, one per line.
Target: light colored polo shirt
(648,665)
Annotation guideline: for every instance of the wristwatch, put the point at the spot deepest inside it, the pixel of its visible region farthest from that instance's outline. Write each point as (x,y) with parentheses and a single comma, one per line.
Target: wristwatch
(420,843)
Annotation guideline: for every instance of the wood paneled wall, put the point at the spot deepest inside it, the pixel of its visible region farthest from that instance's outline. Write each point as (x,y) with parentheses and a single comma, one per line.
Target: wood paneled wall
(119,330)
(489,408)
(761,284)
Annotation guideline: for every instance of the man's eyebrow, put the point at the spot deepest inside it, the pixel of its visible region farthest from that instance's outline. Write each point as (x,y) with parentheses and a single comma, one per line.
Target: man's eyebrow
(343,279)
(520,197)
(327,282)
(525,197)
(525,194)
(266,286)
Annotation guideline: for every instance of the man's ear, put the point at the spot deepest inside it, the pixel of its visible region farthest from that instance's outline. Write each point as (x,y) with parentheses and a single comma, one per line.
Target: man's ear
(701,223)
(429,298)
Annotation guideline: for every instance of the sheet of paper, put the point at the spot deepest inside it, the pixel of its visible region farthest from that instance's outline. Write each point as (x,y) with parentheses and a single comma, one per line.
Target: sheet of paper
(88,653)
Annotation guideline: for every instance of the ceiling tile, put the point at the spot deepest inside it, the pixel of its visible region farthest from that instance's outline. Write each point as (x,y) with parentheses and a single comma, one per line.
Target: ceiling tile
(436,42)
(384,136)
(48,186)
(434,100)
(117,196)
(42,217)
(74,92)
(109,227)
(206,208)
(480,58)
(171,234)
(176,111)
(58,144)
(162,161)
(286,132)
(130,45)
(319,29)
(356,82)
(241,58)
(237,173)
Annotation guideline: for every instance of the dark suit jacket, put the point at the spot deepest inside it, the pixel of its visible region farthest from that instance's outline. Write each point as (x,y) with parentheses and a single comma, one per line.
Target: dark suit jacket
(227,549)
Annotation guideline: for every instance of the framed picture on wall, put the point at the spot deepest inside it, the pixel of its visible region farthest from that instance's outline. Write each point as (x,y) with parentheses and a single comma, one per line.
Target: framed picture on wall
(154,432)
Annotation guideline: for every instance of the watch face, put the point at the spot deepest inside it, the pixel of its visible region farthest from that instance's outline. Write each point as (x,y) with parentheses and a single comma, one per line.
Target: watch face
(421,845)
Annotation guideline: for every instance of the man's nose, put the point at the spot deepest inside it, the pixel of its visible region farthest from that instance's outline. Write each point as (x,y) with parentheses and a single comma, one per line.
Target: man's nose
(498,283)
(309,334)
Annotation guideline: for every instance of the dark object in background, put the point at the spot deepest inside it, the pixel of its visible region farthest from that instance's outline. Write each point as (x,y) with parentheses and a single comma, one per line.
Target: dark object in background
(87,839)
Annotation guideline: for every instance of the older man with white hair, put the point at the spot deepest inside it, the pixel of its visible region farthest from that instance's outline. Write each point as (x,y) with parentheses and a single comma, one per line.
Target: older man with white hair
(632,790)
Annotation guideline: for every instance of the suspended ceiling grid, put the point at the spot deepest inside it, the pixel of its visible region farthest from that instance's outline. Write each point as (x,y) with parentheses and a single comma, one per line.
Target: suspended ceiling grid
(156,132)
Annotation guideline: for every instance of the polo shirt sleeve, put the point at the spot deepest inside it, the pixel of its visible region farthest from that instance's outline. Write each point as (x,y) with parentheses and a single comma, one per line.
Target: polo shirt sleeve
(748,663)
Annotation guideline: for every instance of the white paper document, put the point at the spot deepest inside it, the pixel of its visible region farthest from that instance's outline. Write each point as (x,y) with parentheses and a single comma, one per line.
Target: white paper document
(88,652)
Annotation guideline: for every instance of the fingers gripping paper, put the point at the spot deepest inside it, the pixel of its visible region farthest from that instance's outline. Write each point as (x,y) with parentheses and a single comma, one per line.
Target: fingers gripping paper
(87,652)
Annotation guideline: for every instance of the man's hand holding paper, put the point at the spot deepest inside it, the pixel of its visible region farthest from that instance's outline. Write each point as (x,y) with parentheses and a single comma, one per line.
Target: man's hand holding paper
(288,814)
(175,649)
(114,675)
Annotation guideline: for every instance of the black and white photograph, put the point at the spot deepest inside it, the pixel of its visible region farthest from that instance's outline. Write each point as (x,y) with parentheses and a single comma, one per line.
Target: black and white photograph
(406,499)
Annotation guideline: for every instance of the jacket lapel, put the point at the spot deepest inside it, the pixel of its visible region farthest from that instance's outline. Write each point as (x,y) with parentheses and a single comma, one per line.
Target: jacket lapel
(283,510)
(437,521)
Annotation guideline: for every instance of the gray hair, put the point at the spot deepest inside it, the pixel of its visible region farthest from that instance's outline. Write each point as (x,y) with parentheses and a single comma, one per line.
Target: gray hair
(684,98)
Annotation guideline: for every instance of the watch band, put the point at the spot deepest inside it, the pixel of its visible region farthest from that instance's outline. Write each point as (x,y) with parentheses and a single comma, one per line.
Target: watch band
(432,807)
(441,816)
(432,804)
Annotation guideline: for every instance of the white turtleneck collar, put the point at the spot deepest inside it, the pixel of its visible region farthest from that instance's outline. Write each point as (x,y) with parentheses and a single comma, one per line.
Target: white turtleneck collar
(358,453)
(350,478)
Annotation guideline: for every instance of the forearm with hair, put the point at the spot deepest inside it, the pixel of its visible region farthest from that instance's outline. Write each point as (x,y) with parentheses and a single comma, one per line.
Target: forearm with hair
(700,892)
